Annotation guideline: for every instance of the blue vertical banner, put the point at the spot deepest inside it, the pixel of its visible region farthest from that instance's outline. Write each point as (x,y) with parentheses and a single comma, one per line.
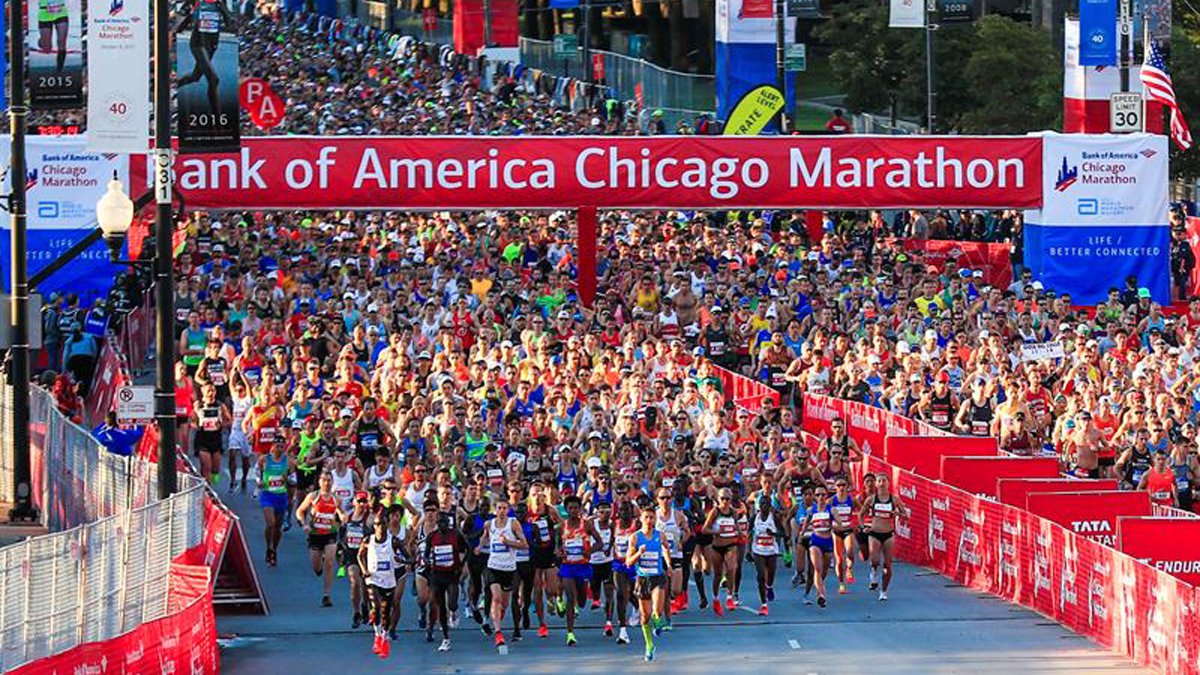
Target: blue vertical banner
(1103,216)
(745,51)
(1098,32)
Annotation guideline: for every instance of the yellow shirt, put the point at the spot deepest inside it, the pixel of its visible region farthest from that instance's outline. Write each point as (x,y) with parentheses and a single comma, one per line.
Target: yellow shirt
(924,305)
(480,288)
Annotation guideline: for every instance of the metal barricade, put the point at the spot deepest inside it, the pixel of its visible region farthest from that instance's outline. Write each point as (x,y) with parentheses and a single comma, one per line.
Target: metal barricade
(412,23)
(680,95)
(104,569)
(7,459)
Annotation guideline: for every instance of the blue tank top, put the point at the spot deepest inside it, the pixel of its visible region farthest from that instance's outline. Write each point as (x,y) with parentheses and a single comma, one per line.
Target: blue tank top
(651,562)
(568,479)
(598,499)
(1182,478)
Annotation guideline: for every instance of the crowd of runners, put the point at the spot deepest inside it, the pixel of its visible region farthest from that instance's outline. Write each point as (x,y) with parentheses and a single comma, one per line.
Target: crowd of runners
(425,396)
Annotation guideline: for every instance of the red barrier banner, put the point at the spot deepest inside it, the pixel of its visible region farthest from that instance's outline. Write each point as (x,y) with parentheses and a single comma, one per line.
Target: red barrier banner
(184,641)
(923,454)
(287,172)
(869,426)
(1090,588)
(1090,514)
(1193,238)
(1013,491)
(979,475)
(744,392)
(1171,545)
(992,259)
(105,382)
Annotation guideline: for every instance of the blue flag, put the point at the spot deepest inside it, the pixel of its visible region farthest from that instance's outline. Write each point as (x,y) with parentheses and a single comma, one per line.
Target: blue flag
(1097,32)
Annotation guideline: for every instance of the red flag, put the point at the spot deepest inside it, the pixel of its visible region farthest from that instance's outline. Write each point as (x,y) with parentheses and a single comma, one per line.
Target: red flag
(265,107)
(1193,239)
(756,9)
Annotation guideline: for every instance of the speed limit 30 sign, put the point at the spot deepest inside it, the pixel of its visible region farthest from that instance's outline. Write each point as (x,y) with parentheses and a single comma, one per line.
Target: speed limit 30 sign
(1125,113)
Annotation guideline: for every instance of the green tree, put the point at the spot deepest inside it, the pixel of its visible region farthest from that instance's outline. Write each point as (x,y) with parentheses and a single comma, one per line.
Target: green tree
(1185,77)
(869,62)
(1014,79)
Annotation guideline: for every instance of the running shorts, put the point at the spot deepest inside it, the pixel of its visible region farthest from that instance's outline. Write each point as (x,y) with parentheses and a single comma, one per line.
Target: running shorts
(543,558)
(823,543)
(318,542)
(501,578)
(580,571)
(621,570)
(276,501)
(602,571)
(643,586)
(880,536)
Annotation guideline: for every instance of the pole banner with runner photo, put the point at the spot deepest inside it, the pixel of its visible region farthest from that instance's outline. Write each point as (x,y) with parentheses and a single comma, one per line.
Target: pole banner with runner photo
(118,112)
(55,41)
(207,67)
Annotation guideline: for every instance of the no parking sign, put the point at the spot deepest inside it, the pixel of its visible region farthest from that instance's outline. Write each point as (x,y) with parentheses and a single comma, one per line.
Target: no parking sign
(135,404)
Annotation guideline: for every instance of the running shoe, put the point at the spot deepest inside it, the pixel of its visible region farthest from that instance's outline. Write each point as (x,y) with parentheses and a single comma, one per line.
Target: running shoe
(657,626)
(341,573)
(668,626)
(486,628)
(717,608)
(543,631)
(516,635)
(454,619)
(874,585)
(608,629)
(731,604)
(378,644)
(499,639)
(595,605)
(562,605)
(393,635)
(571,641)
(796,580)
(883,596)
(841,589)
(421,621)
(762,611)
(807,599)
(445,646)
(385,649)
(623,636)
(476,615)
(821,601)
(356,622)
(850,575)
(326,602)
(770,594)
(429,635)
(650,652)
(703,602)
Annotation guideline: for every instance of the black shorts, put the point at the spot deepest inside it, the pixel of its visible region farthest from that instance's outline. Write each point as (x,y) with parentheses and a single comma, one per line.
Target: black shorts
(347,557)
(318,542)
(805,540)
(602,572)
(722,550)
(1105,462)
(677,563)
(501,578)
(305,481)
(53,22)
(543,558)
(880,536)
(703,539)
(860,536)
(525,572)
(643,586)
(441,580)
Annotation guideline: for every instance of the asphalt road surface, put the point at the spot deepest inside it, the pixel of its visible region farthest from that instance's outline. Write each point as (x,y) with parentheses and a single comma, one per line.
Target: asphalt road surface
(930,625)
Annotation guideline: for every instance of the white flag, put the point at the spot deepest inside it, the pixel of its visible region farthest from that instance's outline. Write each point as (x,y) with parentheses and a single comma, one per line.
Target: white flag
(118,51)
(907,14)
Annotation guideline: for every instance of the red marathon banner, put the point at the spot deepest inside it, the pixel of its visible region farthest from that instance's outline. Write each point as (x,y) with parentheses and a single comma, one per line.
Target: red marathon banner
(979,475)
(993,260)
(1090,514)
(646,172)
(1171,545)
(1014,491)
(923,454)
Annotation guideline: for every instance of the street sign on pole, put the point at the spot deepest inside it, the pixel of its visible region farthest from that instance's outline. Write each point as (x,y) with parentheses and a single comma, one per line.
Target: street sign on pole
(135,404)
(566,46)
(1125,113)
(795,58)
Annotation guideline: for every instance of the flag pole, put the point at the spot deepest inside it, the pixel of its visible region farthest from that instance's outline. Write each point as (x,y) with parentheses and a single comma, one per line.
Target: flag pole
(1145,53)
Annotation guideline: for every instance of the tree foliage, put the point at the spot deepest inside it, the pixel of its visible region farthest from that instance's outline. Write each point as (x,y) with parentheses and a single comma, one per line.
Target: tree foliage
(1185,76)
(993,76)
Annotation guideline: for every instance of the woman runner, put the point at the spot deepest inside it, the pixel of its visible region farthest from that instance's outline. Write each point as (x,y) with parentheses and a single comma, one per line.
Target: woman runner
(820,550)
(319,513)
(883,508)
(766,532)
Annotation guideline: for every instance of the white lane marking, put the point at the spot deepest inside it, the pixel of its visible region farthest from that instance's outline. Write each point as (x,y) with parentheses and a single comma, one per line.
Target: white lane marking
(793,644)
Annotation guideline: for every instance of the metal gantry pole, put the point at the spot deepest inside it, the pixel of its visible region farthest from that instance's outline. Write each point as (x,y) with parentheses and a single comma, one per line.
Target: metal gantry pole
(780,70)
(930,66)
(18,353)
(164,328)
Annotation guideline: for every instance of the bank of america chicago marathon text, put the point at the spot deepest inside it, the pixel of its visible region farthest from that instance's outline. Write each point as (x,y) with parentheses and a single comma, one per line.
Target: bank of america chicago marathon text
(603,168)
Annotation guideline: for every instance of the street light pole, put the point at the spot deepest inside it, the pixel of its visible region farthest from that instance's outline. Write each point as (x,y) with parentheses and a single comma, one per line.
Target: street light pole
(164,328)
(930,66)
(780,70)
(18,353)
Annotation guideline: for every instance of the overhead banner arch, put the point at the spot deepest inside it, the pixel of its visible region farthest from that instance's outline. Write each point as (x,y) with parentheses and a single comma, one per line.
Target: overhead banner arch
(686,172)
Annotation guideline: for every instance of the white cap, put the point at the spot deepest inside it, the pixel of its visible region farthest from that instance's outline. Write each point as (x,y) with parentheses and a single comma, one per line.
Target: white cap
(594,463)
(984,334)
(1037,285)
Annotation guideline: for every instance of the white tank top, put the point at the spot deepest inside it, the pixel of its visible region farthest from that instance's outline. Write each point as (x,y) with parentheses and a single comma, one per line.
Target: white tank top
(501,556)
(669,526)
(603,553)
(415,496)
(374,477)
(764,532)
(343,488)
(240,406)
(381,562)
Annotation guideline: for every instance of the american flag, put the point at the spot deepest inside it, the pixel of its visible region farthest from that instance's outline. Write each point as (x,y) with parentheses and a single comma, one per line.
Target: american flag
(1157,84)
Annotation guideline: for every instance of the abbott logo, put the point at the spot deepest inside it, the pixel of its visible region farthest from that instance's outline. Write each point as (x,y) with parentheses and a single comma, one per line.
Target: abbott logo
(1087,206)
